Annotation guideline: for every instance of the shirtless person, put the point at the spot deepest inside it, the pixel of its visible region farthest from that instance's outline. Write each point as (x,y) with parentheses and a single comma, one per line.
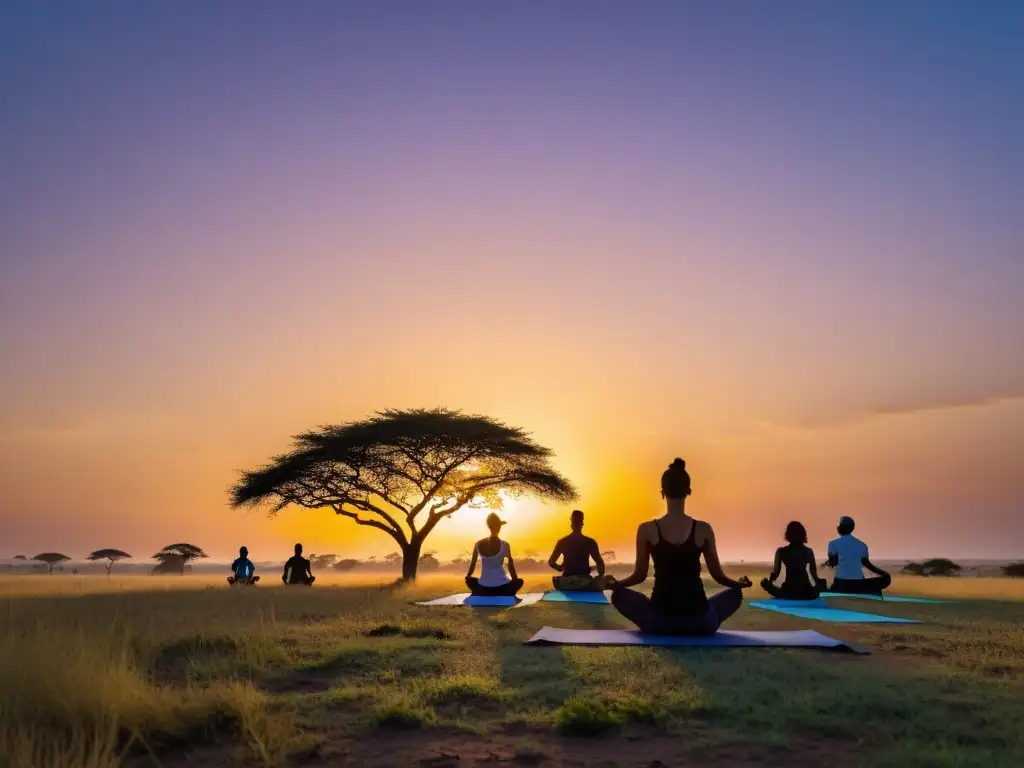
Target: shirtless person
(576,551)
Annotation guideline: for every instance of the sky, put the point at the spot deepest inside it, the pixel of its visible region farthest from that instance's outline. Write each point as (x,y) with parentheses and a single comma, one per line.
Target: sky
(783,241)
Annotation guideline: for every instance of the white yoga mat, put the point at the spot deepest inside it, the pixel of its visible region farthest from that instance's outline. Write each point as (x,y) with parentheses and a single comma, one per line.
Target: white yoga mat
(480,601)
(725,638)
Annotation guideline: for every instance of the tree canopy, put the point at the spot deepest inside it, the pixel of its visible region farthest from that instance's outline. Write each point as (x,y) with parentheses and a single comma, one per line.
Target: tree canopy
(110,555)
(51,558)
(404,471)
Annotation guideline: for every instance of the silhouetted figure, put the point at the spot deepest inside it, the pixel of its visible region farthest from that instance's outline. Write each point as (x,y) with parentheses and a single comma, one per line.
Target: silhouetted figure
(243,570)
(493,552)
(297,570)
(798,559)
(849,556)
(576,551)
(677,605)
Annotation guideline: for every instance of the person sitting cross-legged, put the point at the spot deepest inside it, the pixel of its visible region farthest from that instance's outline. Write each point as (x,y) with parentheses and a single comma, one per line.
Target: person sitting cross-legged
(297,570)
(848,555)
(493,552)
(798,559)
(576,552)
(242,570)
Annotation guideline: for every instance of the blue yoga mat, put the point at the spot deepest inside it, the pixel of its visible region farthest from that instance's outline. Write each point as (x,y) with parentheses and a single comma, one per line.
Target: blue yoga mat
(818,610)
(886,598)
(480,601)
(559,596)
(725,638)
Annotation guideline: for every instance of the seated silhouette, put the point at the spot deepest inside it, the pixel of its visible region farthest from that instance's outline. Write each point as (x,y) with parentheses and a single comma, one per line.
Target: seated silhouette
(799,560)
(848,555)
(576,552)
(297,571)
(676,541)
(243,570)
(492,553)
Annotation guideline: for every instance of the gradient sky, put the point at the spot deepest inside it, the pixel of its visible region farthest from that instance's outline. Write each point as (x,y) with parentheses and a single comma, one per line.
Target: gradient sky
(784,241)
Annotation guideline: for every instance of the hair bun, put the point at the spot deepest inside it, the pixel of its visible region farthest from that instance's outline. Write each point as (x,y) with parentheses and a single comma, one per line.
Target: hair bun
(678,464)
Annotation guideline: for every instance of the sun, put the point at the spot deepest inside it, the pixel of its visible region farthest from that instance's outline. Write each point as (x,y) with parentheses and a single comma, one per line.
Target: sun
(473,519)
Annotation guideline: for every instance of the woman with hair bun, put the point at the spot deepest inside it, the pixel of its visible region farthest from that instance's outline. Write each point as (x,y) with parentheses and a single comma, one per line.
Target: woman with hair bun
(798,559)
(676,541)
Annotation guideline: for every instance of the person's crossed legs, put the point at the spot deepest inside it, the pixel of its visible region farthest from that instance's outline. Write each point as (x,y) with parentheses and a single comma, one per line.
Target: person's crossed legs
(578,583)
(509,589)
(637,607)
(873,586)
(779,591)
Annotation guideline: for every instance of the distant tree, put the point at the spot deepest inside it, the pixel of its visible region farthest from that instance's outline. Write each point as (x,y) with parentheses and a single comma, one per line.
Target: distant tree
(609,555)
(393,559)
(110,555)
(913,569)
(941,566)
(51,558)
(323,561)
(20,557)
(533,554)
(175,557)
(429,562)
(346,565)
(1014,569)
(403,472)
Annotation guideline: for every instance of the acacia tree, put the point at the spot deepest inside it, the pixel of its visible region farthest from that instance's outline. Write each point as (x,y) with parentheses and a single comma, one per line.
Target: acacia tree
(110,555)
(404,471)
(174,557)
(51,558)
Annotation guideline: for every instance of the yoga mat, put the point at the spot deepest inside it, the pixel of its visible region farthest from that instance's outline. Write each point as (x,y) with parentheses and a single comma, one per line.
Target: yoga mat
(725,638)
(479,601)
(559,596)
(887,598)
(812,609)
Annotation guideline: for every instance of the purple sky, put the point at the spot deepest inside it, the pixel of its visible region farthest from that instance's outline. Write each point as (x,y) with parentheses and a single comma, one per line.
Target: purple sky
(785,239)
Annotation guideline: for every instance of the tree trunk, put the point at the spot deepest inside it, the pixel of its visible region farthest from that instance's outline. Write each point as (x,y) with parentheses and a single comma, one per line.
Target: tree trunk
(410,559)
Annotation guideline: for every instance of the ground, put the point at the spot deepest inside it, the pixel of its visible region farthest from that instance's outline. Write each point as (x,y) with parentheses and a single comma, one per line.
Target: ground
(182,671)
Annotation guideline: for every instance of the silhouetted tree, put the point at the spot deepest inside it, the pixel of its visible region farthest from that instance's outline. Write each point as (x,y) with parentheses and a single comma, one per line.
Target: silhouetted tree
(939,566)
(20,557)
(322,561)
(346,565)
(402,472)
(110,555)
(51,558)
(429,562)
(913,569)
(175,557)
(392,559)
(609,555)
(1014,569)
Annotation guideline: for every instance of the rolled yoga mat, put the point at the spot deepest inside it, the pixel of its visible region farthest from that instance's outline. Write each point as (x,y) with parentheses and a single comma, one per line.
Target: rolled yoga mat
(820,611)
(886,598)
(481,601)
(558,596)
(725,638)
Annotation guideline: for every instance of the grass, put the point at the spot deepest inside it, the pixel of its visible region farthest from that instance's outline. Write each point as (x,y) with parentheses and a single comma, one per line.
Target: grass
(98,673)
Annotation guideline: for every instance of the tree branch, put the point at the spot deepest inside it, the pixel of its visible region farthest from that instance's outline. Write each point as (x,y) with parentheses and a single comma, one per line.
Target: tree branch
(340,510)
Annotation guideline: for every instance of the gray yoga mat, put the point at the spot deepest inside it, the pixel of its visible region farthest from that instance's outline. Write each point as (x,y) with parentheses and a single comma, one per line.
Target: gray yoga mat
(725,638)
(558,596)
(820,611)
(887,598)
(479,601)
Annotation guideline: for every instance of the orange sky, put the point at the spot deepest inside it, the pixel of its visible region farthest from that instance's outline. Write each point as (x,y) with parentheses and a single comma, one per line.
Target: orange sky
(783,245)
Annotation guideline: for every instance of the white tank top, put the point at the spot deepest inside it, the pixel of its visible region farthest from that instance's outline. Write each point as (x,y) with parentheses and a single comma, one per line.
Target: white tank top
(492,569)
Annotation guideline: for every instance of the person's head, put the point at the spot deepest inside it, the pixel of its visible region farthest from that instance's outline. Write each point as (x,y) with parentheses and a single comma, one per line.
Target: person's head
(243,551)
(576,520)
(298,549)
(845,526)
(796,533)
(675,481)
(494,523)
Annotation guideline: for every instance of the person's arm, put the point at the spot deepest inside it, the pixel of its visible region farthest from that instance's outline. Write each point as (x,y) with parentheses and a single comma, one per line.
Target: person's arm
(710,550)
(472,561)
(511,562)
(553,560)
(814,570)
(866,562)
(833,560)
(777,567)
(287,565)
(640,568)
(598,560)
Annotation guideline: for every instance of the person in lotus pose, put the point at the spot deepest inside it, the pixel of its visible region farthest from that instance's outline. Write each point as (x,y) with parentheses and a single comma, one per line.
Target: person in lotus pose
(297,571)
(576,551)
(676,542)
(848,555)
(242,569)
(799,560)
(492,553)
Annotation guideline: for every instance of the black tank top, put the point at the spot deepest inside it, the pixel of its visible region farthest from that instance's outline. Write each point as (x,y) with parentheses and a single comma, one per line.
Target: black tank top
(794,557)
(678,590)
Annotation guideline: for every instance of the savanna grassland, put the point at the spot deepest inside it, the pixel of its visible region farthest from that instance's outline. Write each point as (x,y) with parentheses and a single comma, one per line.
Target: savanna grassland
(181,671)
